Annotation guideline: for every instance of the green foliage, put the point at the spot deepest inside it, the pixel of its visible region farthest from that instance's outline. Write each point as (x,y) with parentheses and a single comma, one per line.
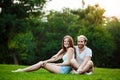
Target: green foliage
(21,40)
(90,15)
(113,26)
(41,74)
(23,44)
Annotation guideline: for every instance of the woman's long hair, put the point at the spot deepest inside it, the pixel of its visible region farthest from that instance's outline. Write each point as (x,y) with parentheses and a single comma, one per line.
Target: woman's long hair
(71,42)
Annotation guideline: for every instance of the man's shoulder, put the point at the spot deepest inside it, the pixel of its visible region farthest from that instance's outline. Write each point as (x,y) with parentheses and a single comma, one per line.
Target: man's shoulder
(88,48)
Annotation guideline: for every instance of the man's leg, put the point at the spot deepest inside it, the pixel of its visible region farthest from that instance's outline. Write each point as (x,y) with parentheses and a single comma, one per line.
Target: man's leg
(87,68)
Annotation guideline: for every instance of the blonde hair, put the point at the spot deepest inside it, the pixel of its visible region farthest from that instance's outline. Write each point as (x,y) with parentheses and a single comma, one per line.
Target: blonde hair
(82,36)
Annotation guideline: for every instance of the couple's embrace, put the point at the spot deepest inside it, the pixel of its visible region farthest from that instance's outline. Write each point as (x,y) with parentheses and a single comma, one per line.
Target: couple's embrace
(76,59)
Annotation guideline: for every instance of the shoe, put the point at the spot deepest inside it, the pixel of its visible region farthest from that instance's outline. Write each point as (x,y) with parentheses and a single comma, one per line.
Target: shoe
(88,73)
(74,72)
(18,70)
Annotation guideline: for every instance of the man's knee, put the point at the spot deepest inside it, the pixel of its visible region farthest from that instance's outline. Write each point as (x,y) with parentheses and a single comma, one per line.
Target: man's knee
(90,63)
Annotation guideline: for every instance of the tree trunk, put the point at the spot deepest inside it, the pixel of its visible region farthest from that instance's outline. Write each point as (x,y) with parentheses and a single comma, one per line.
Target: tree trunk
(15,58)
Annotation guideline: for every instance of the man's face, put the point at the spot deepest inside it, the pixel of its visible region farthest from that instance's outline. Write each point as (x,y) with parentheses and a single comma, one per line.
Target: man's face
(81,42)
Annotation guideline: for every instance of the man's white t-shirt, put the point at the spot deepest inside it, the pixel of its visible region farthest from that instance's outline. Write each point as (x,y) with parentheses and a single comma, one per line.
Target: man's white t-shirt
(81,56)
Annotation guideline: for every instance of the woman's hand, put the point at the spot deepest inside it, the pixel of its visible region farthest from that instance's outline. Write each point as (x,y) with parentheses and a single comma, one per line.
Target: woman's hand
(57,64)
(44,63)
(55,56)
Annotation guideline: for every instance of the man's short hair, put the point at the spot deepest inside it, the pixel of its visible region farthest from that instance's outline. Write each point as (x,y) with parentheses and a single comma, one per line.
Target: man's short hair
(82,36)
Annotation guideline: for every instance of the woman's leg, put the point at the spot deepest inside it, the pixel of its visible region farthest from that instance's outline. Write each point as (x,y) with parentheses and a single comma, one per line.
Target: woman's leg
(30,68)
(51,67)
(33,67)
(75,65)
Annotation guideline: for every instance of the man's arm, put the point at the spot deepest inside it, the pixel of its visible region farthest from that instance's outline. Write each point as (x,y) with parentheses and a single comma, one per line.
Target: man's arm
(84,63)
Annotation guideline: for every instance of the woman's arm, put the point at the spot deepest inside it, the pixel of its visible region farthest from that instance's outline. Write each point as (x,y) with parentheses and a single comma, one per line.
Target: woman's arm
(55,57)
(70,52)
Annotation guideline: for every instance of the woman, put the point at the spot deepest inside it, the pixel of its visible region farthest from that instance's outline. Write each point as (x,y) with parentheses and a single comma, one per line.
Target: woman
(66,53)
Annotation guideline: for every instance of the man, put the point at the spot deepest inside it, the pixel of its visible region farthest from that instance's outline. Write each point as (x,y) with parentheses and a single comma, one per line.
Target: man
(82,62)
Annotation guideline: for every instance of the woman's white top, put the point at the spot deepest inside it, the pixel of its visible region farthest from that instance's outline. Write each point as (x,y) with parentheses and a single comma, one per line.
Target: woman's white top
(65,57)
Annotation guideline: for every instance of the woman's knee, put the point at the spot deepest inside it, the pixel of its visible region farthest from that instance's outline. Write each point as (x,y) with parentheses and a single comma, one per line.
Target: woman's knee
(46,65)
(72,61)
(39,64)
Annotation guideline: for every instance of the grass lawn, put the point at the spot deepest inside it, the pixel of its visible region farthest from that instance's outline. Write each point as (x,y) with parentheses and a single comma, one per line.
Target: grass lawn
(41,74)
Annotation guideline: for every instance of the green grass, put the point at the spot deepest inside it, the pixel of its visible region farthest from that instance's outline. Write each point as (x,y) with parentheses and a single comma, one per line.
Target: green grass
(41,74)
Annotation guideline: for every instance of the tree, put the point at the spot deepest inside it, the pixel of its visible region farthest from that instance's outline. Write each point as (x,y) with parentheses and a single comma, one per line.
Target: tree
(113,26)
(14,19)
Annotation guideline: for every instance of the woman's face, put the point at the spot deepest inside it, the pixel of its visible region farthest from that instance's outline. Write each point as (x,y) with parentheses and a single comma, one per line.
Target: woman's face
(66,42)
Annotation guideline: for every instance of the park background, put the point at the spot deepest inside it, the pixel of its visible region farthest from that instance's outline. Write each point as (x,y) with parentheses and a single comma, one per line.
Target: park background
(29,34)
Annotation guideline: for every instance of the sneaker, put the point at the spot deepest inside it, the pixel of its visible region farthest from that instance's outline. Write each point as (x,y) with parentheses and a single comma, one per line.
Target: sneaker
(74,72)
(18,70)
(88,73)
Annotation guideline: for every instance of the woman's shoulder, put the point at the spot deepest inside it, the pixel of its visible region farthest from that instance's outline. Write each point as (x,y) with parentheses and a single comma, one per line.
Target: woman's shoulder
(71,49)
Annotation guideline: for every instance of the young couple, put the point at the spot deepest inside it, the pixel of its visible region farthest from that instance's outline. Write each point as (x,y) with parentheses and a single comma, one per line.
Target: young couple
(75,58)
